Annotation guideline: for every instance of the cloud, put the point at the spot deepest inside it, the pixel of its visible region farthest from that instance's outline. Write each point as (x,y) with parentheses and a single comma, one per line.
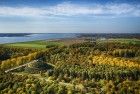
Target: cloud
(68,9)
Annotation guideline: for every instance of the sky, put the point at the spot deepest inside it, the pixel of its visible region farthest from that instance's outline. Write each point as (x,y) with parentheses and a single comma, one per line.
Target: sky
(69,16)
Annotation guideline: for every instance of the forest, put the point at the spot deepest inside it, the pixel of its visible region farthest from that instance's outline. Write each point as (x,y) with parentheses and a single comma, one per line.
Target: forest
(89,67)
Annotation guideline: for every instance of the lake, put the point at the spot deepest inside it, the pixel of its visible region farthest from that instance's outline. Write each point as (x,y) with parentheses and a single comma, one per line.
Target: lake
(6,38)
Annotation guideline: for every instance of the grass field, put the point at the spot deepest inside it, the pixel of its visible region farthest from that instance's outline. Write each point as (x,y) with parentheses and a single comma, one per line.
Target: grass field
(133,41)
(122,40)
(41,44)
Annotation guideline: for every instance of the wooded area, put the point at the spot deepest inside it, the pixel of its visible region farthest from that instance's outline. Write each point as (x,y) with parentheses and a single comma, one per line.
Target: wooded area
(81,68)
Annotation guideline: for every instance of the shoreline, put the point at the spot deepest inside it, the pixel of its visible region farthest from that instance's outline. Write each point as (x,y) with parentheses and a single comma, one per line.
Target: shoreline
(29,38)
(47,40)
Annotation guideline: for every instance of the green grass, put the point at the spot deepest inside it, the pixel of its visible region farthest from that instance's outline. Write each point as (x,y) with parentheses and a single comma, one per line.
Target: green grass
(133,41)
(40,44)
(122,40)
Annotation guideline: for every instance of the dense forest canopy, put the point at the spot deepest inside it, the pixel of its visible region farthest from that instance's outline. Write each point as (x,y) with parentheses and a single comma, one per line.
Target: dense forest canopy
(91,67)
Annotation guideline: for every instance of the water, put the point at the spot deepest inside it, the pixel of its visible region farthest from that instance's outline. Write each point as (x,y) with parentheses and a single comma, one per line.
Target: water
(33,37)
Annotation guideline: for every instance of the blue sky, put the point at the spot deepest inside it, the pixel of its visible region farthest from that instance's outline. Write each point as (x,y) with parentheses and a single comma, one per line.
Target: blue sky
(70,16)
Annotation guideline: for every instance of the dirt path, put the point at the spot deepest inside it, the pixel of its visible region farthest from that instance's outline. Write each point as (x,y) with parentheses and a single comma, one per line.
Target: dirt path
(20,66)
